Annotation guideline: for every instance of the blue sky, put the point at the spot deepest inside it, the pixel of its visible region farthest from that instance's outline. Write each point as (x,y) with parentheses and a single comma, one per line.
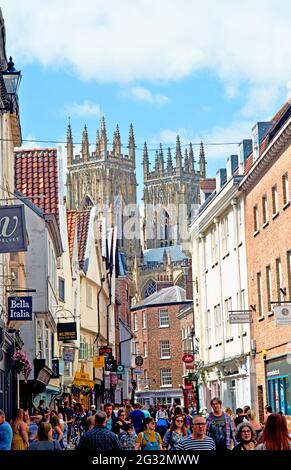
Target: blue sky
(204,71)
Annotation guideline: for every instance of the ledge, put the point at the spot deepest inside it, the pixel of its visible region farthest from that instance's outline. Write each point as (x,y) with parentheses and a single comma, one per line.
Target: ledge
(286,205)
(270,314)
(265,224)
(256,233)
(274,216)
(261,318)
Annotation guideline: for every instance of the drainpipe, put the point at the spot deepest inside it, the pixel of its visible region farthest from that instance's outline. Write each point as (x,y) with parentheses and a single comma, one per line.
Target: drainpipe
(119,346)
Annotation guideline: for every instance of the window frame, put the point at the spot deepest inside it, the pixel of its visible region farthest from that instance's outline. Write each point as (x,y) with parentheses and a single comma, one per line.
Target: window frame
(164,355)
(164,311)
(164,376)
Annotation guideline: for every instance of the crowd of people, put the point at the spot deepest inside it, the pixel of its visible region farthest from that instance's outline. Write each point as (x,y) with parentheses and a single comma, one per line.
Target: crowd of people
(116,427)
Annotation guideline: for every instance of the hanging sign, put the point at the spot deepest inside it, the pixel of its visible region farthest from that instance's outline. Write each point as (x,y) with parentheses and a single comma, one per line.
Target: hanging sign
(239,316)
(98,362)
(121,369)
(20,308)
(105,351)
(188,358)
(139,361)
(67,331)
(12,229)
(283,314)
(68,354)
(55,369)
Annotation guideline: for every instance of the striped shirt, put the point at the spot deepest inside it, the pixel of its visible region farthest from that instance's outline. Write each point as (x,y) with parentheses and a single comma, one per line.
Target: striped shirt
(196,444)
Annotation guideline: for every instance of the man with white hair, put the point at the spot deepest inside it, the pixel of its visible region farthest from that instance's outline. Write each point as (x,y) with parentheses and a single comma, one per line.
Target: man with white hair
(5,433)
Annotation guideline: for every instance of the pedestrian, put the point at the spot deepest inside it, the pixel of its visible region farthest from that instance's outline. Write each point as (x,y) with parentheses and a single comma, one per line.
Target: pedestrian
(239,416)
(275,434)
(220,427)
(20,431)
(128,438)
(146,412)
(111,418)
(99,438)
(149,439)
(288,419)
(187,417)
(6,433)
(68,412)
(44,440)
(162,419)
(229,411)
(137,418)
(245,436)
(267,412)
(91,419)
(57,431)
(92,411)
(120,425)
(251,417)
(41,408)
(178,431)
(128,408)
(198,440)
(32,426)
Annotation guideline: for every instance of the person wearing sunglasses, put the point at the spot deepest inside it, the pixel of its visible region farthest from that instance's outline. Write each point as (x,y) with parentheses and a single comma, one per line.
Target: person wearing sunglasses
(177,432)
(198,440)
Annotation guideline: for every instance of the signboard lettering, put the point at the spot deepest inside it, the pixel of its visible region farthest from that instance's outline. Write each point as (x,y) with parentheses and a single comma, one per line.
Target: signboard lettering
(12,229)
(20,308)
(98,362)
(67,331)
(105,350)
(68,354)
(283,314)
(239,316)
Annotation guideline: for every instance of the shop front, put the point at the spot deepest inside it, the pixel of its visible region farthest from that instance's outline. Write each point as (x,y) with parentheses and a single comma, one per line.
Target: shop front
(82,388)
(278,377)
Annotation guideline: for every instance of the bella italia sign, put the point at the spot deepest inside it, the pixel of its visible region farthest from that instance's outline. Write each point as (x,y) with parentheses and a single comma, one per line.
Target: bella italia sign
(12,229)
(20,308)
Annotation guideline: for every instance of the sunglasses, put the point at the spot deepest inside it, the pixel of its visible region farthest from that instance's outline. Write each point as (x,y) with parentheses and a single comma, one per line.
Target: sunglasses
(179,421)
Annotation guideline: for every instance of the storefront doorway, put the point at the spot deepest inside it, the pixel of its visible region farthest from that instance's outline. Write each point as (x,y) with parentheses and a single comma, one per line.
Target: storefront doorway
(278,392)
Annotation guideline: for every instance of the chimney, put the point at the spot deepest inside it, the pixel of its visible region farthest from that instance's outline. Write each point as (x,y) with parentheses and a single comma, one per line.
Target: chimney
(220,178)
(244,149)
(259,131)
(231,166)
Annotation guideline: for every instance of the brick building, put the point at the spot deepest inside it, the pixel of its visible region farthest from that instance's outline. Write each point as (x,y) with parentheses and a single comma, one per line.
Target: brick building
(268,240)
(158,340)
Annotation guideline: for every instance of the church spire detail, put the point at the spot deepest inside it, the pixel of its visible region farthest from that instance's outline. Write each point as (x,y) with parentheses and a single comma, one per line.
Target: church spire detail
(70,146)
(191,159)
(85,145)
(131,144)
(97,150)
(186,162)
(161,161)
(116,142)
(103,139)
(178,156)
(169,162)
(202,161)
(146,165)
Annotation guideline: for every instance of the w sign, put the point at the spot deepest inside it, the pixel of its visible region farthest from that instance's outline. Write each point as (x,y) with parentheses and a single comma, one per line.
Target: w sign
(12,229)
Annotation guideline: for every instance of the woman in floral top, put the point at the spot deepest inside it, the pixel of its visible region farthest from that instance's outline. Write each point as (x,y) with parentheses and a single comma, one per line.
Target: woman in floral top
(127,439)
(177,432)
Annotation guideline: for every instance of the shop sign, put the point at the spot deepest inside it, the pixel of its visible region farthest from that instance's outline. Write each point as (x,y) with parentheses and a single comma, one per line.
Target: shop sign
(139,361)
(120,369)
(188,358)
(12,229)
(55,369)
(273,372)
(20,308)
(98,362)
(44,375)
(68,354)
(283,314)
(110,364)
(137,371)
(239,316)
(105,351)
(67,331)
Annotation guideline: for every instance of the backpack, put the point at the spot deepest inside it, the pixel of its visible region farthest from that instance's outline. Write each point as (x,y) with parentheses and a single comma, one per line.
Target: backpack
(151,445)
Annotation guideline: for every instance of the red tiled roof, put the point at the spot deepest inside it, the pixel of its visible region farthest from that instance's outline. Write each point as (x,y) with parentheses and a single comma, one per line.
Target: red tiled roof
(82,231)
(71,225)
(36,174)
(208,184)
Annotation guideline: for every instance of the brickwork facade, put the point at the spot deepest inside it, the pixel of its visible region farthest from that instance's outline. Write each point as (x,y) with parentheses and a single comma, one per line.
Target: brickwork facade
(268,238)
(160,367)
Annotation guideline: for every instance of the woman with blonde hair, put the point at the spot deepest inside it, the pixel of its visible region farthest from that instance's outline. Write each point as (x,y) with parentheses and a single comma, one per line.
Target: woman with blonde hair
(251,417)
(229,411)
(128,409)
(20,431)
(45,439)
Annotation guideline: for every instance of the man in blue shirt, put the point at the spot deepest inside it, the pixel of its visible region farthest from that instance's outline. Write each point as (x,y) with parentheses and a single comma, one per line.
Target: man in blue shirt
(137,418)
(5,433)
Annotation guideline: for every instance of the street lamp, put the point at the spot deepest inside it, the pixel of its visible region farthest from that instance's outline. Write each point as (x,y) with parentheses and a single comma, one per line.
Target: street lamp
(12,78)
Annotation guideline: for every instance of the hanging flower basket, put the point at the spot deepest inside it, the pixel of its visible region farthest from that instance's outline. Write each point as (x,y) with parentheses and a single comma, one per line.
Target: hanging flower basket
(22,364)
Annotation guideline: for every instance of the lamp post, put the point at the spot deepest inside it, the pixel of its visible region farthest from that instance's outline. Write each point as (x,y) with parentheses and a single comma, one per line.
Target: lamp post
(12,78)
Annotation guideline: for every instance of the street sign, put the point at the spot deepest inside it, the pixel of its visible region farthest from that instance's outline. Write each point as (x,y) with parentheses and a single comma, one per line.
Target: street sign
(105,351)
(98,362)
(137,371)
(239,316)
(283,314)
(139,361)
(188,358)
(67,331)
(120,369)
(20,308)
(110,364)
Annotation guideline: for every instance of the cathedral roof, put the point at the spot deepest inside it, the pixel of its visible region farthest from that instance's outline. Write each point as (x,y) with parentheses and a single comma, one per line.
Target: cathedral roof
(156,255)
(168,296)
(36,174)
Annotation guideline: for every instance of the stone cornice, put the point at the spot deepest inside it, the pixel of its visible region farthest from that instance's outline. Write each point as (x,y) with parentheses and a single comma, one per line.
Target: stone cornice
(271,153)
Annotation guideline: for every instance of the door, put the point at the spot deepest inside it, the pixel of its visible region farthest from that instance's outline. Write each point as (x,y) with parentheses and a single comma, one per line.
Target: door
(279,394)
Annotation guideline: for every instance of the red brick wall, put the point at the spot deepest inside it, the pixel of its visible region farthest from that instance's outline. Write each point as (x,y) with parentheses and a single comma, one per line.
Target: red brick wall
(153,334)
(270,243)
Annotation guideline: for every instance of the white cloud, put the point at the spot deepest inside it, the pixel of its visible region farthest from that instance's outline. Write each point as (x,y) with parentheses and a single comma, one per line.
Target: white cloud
(260,100)
(144,95)
(288,86)
(109,41)
(86,109)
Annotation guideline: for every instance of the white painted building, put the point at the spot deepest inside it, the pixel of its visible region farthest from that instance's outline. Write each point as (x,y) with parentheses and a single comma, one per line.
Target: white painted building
(219,269)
